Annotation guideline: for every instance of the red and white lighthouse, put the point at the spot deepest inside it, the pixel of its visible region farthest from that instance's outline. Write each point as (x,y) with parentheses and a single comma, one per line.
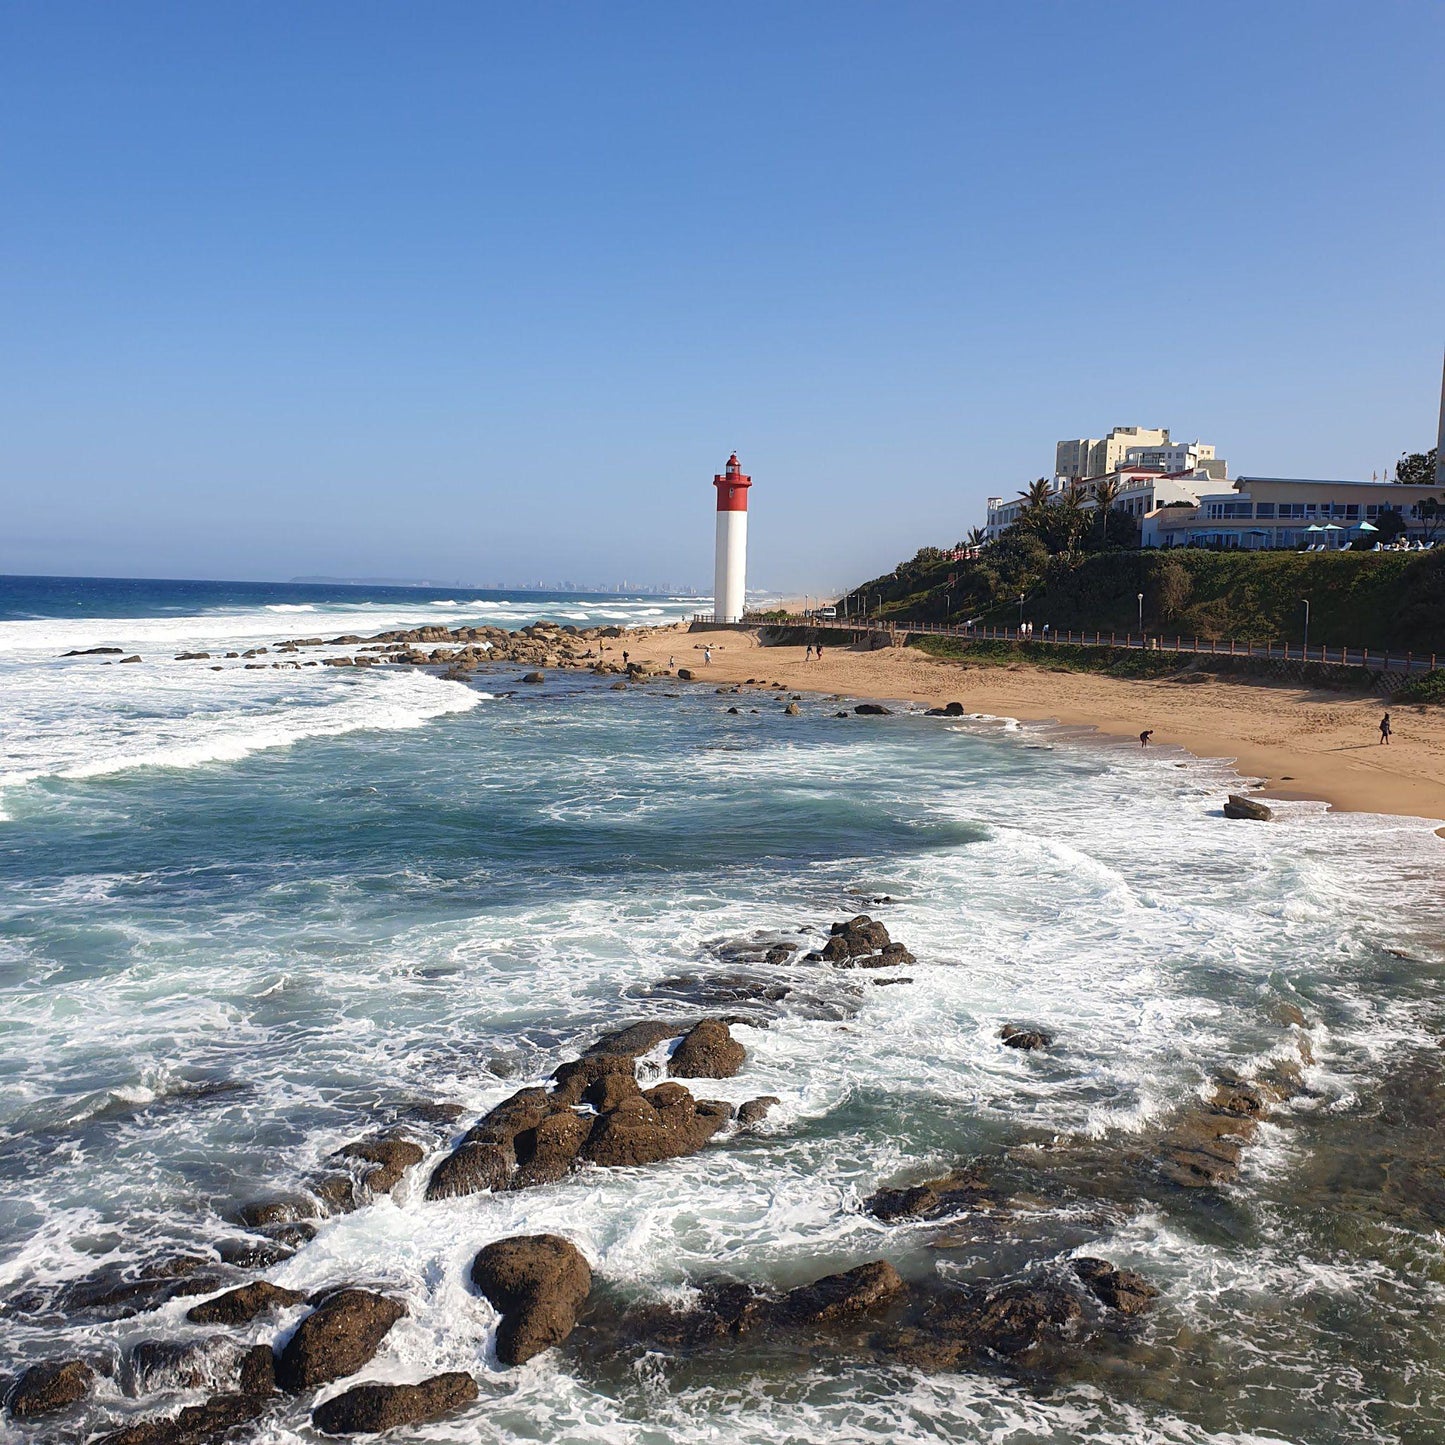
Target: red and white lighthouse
(731,572)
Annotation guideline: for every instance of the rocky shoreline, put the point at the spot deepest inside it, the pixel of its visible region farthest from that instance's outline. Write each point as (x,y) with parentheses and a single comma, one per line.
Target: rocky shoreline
(620,1104)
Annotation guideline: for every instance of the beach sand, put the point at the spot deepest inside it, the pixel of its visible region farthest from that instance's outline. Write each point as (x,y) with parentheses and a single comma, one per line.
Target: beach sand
(1303,743)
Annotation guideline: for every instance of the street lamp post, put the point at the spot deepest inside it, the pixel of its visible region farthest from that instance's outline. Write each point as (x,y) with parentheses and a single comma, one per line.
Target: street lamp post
(1306,653)
(1141,614)
(1021,611)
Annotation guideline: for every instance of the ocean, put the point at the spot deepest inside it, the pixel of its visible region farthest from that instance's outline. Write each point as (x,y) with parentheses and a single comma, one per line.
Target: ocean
(248,915)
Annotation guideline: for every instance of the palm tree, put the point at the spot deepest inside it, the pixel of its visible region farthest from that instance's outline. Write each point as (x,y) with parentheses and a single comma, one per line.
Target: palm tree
(1106,493)
(1037,494)
(977,537)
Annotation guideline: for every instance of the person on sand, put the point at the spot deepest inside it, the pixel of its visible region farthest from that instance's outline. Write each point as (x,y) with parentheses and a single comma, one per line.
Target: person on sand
(1385,730)
(818,653)
(1145,736)
(707,654)
(624,657)
(671,660)
(808,654)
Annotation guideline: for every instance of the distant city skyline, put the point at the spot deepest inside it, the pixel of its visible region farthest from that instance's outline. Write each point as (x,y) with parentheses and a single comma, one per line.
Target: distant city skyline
(494,291)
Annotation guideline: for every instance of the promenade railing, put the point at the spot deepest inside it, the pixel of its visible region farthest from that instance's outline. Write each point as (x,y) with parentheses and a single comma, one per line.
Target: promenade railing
(1376,659)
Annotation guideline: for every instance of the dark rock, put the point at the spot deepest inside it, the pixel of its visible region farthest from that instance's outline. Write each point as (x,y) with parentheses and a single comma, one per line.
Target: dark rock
(534,677)
(192,656)
(618,686)
(94,652)
(1119,1289)
(963,1189)
(835,1296)
(370,1409)
(280,1209)
(523,1110)
(389,1156)
(194,1425)
(1016,1036)
(293,1234)
(855,938)
(242,1305)
(686,674)
(893,955)
(252,1253)
(121,1294)
(211,1363)
(549,1152)
(708,1051)
(469,1169)
(873,709)
(258,1370)
(337,1338)
(664,1123)
(638,1038)
(574,1080)
(952,709)
(134,658)
(779,953)
(792,710)
(736,712)
(1239,807)
(756,1110)
(49,1386)
(538,1282)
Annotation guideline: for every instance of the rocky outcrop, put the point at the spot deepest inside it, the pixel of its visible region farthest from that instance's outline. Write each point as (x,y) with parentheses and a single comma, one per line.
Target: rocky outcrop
(538,1282)
(534,677)
(664,1123)
(962,1190)
(538,1135)
(1237,806)
(1018,1036)
(836,1296)
(855,938)
(861,942)
(384,1159)
(49,1386)
(202,1424)
(121,1293)
(242,1305)
(1118,1289)
(337,1338)
(469,1169)
(873,709)
(707,1051)
(278,1209)
(952,709)
(370,1409)
(756,1110)
(217,1362)
(1204,1146)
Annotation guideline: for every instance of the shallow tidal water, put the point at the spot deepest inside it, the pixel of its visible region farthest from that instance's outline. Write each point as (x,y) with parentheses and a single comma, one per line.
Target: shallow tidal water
(246,917)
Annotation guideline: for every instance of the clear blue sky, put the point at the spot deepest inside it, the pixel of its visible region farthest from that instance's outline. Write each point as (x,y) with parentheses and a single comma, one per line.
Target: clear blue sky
(470,290)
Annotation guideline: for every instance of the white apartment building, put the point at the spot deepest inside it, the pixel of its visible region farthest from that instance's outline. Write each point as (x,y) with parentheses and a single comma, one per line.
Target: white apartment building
(1292,512)
(1087,457)
(1179,457)
(1140,490)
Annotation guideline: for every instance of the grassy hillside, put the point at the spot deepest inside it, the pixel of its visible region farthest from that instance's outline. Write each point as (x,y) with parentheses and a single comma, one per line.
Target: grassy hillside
(1366,599)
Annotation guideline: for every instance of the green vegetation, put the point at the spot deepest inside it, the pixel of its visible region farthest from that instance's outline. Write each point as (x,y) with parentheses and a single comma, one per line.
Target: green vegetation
(1361,599)
(1115,661)
(1417,467)
(1430,687)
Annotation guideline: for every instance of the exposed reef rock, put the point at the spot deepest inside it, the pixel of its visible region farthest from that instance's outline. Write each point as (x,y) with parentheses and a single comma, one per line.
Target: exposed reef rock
(538,1282)
(49,1386)
(337,1338)
(708,1051)
(370,1409)
(242,1305)
(1237,806)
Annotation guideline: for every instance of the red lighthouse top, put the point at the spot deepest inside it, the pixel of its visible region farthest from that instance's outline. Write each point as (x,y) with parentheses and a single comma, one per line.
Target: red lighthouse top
(732,487)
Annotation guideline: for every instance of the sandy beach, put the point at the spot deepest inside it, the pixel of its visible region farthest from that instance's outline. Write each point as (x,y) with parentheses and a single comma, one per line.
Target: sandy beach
(1302,743)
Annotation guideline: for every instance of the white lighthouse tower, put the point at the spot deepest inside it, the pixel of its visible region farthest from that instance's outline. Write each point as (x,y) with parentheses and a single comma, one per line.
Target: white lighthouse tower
(731,573)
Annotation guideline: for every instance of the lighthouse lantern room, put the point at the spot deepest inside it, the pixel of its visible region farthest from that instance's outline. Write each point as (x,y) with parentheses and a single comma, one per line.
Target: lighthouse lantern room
(730,576)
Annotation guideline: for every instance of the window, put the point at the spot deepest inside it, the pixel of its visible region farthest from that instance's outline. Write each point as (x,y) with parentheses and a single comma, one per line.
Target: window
(1264,509)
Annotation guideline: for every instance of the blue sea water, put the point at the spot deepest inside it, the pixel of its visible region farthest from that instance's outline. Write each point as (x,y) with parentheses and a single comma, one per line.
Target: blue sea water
(247,916)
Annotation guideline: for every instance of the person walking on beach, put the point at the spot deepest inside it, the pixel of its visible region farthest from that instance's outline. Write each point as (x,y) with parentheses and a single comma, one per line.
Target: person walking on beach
(1385,730)
(808,655)
(818,653)
(1145,736)
(707,654)
(671,660)
(624,657)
